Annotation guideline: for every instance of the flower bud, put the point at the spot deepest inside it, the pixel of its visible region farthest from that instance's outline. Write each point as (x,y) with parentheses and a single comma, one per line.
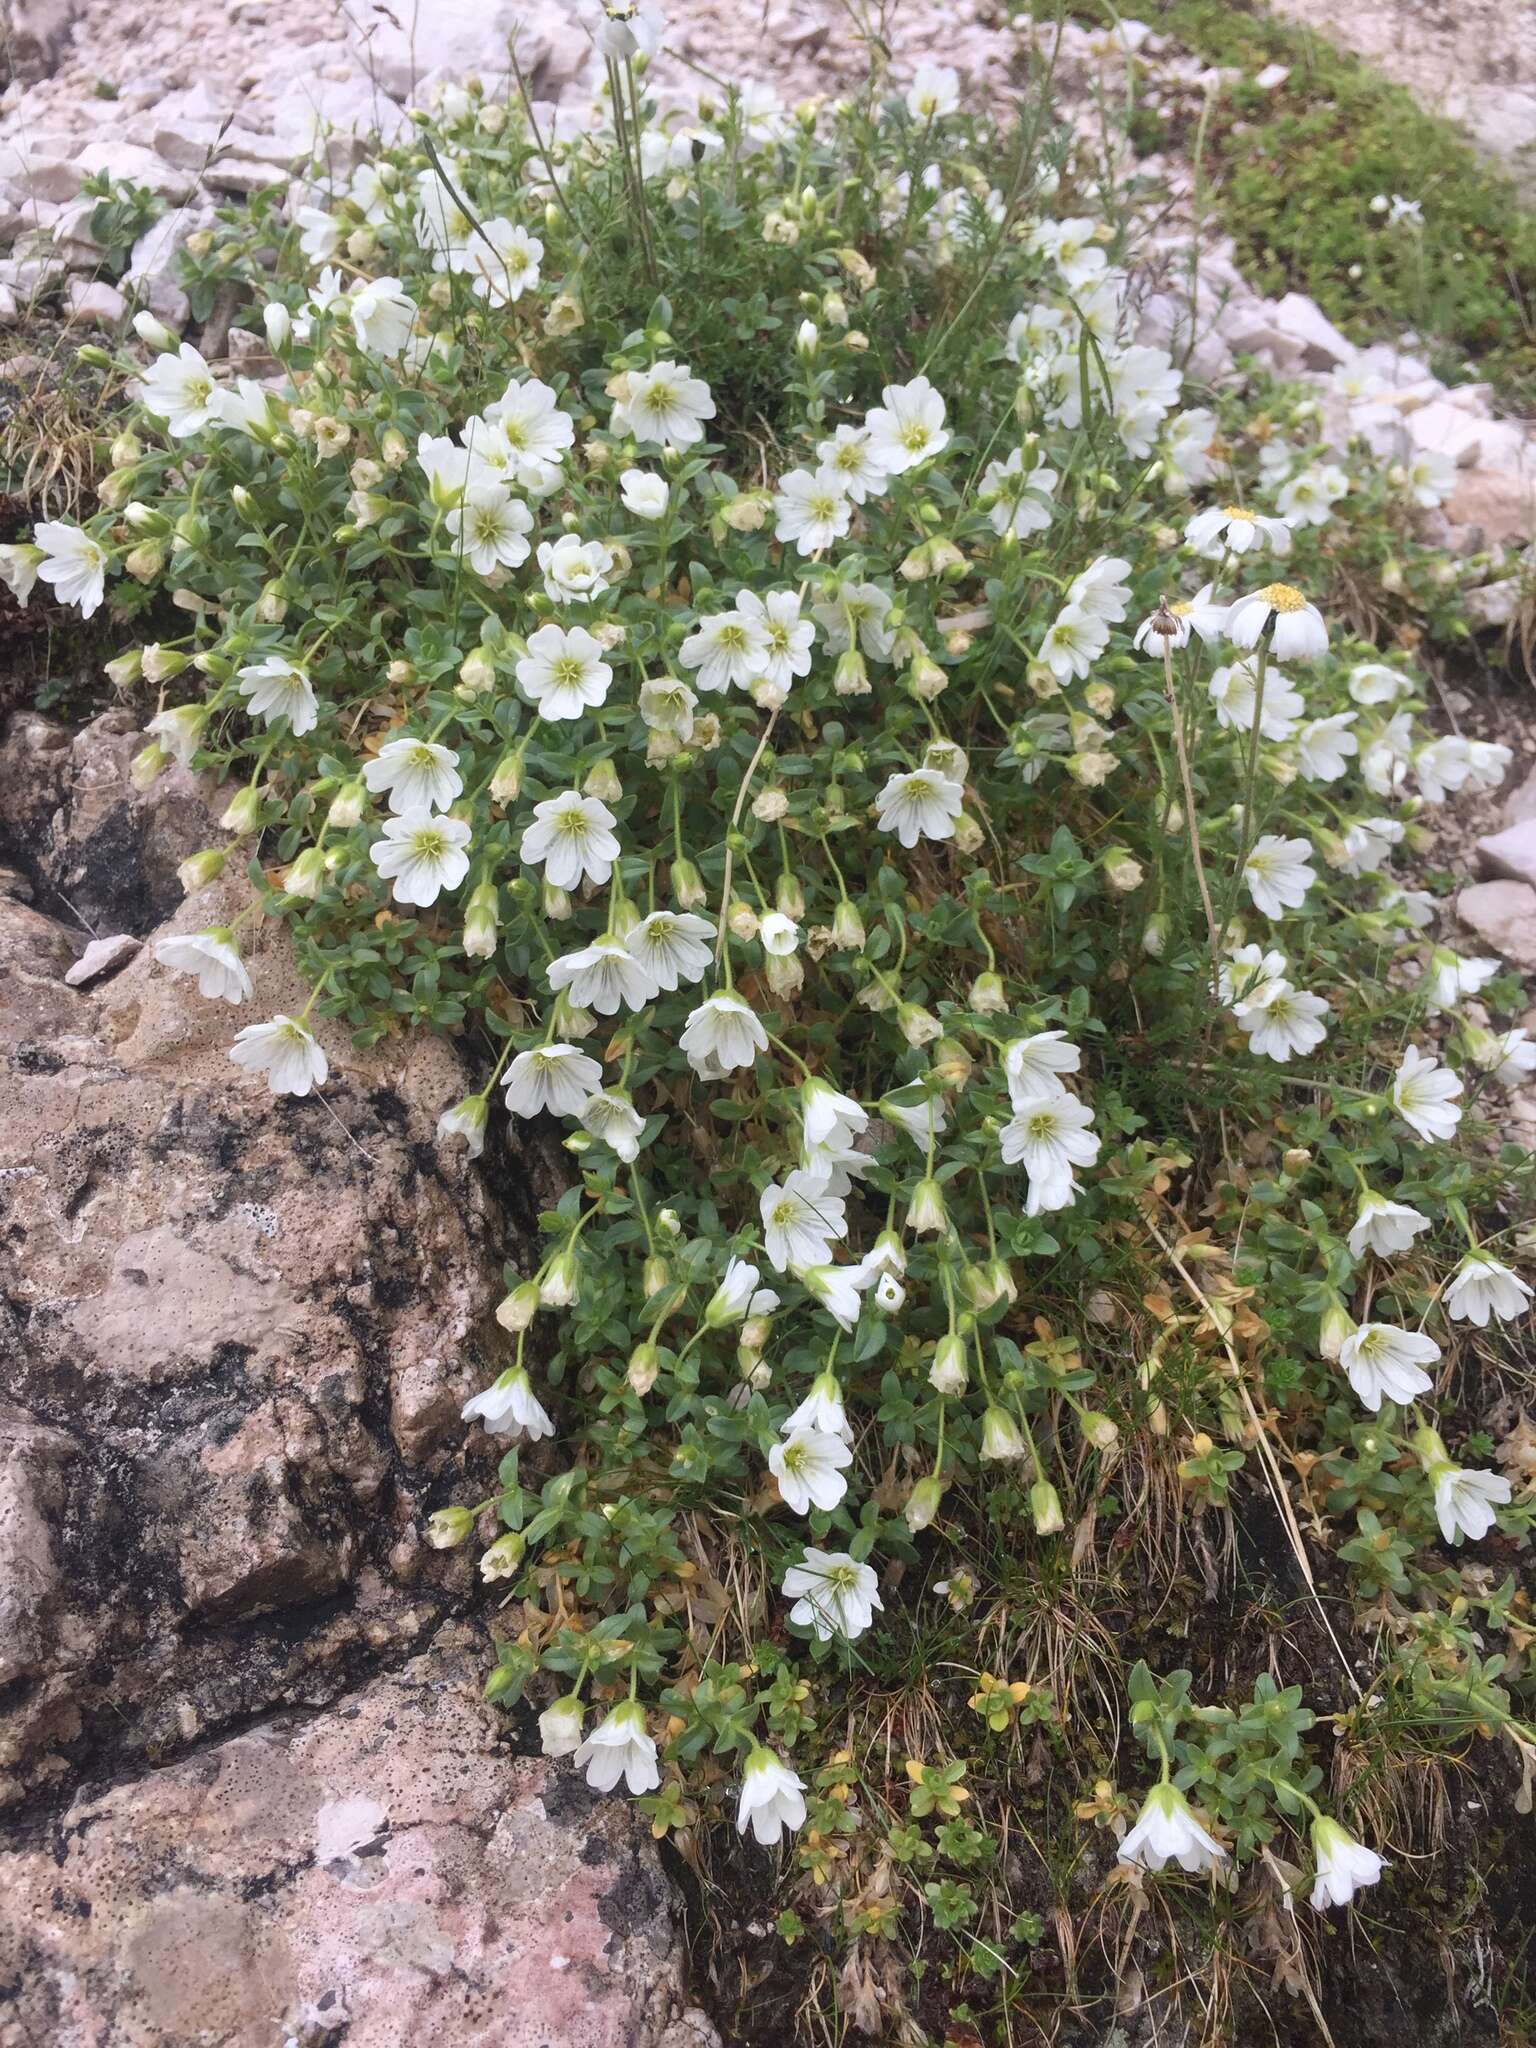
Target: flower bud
(520,1307)
(923,1503)
(1121,870)
(507,782)
(477,672)
(148,765)
(848,932)
(243,812)
(306,875)
(556,903)
(741,918)
(602,781)
(917,1025)
(948,1374)
(1335,1324)
(644,1365)
(1045,1506)
(449,1527)
(155,332)
(561,1285)
(988,996)
(952,1064)
(1001,1438)
(656,1275)
(481,921)
(927,1217)
(346,807)
(199,869)
(1098,1429)
(278,322)
(144,562)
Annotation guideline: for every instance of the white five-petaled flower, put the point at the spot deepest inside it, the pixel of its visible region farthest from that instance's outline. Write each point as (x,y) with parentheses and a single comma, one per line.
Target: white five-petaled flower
(213,957)
(383,314)
(1166,1831)
(809,1467)
(812,508)
(1385,1363)
(1424,1095)
(672,946)
(422,854)
(801,1222)
(1465,1500)
(73,563)
(849,455)
(666,404)
(1033,1066)
(1049,1135)
(1344,1866)
(833,1595)
(907,427)
(727,648)
(604,976)
(1384,1226)
(772,1798)
(1018,500)
(510,1407)
(1277,873)
(722,1034)
(560,1726)
(500,258)
(643,493)
(466,1120)
(732,1298)
(572,838)
(537,433)
(1324,746)
(559,1078)
(934,92)
(621,1747)
(285,1051)
(614,1119)
(491,527)
(417,774)
(563,672)
(1298,633)
(788,637)
(1234,690)
(1482,1287)
(275,689)
(178,388)
(921,805)
(1288,1021)
(1227,529)
(574,570)
(1073,642)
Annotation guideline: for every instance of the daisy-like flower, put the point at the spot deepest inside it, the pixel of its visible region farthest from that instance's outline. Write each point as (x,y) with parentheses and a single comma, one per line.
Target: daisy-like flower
(644,494)
(1424,1095)
(1309,499)
(563,672)
(809,1468)
(1465,1501)
(558,1078)
(801,1222)
(501,260)
(1298,630)
(907,427)
(572,839)
(666,404)
(422,854)
(1385,1363)
(1166,1831)
(215,960)
(1344,1866)
(510,1408)
(1290,1021)
(934,92)
(1017,500)
(492,528)
(812,509)
(1049,1135)
(179,389)
(418,775)
(1384,1226)
(1482,1287)
(613,1118)
(574,570)
(1033,1066)
(1227,529)
(1430,478)
(1277,874)
(672,946)
(1249,978)
(535,430)
(1324,747)
(1234,691)
(789,638)
(849,455)
(725,649)
(275,689)
(722,1034)
(466,1120)
(621,1747)
(73,564)
(921,805)
(285,1051)
(383,314)
(667,705)
(858,612)
(772,1799)
(833,1595)
(1073,643)
(604,976)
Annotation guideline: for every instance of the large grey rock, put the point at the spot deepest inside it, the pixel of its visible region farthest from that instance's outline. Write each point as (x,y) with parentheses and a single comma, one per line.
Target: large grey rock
(36,35)
(1503,914)
(404,49)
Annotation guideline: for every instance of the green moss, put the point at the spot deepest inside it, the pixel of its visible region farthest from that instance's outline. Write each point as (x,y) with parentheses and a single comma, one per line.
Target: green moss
(1293,174)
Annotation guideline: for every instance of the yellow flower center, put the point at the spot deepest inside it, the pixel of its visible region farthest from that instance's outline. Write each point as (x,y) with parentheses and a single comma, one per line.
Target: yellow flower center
(1233,512)
(914,438)
(1283,597)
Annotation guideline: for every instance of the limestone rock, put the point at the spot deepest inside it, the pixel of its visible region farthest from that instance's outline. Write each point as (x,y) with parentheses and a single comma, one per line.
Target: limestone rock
(1304,321)
(404,52)
(1511,853)
(94,303)
(36,35)
(1503,914)
(101,958)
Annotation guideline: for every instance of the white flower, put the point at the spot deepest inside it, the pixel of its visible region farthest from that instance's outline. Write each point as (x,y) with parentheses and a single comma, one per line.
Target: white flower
(858,610)
(276,689)
(1014,498)
(500,258)
(18,569)
(672,946)
(809,1468)
(1186,452)
(1234,691)
(1073,643)
(907,427)
(559,1078)
(624,28)
(1324,746)
(920,805)
(491,528)
(73,563)
(1489,763)
(1288,1021)
(772,1799)
(666,404)
(214,958)
(285,1052)
(1033,1066)
(1049,1135)
(560,1726)
(838,1289)
(1227,529)
(1465,1501)
(821,1409)
(850,456)
(1344,1866)
(466,1120)
(733,1297)
(812,509)
(1249,978)
(1299,632)
(833,1595)
(727,648)
(934,92)
(666,705)
(1482,1287)
(1430,477)
(563,672)
(723,1033)
(1372,682)
(419,775)
(1166,1830)
(801,1222)
(1073,246)
(537,433)
(510,1408)
(1508,1055)
(179,389)
(789,638)
(1384,1363)
(1309,499)
(620,1747)
(1277,874)
(1384,1226)
(572,838)
(574,570)
(780,934)
(321,234)
(614,1118)
(1424,1096)
(383,314)
(1367,845)
(423,855)
(604,976)
(1101,590)
(1451,978)
(644,494)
